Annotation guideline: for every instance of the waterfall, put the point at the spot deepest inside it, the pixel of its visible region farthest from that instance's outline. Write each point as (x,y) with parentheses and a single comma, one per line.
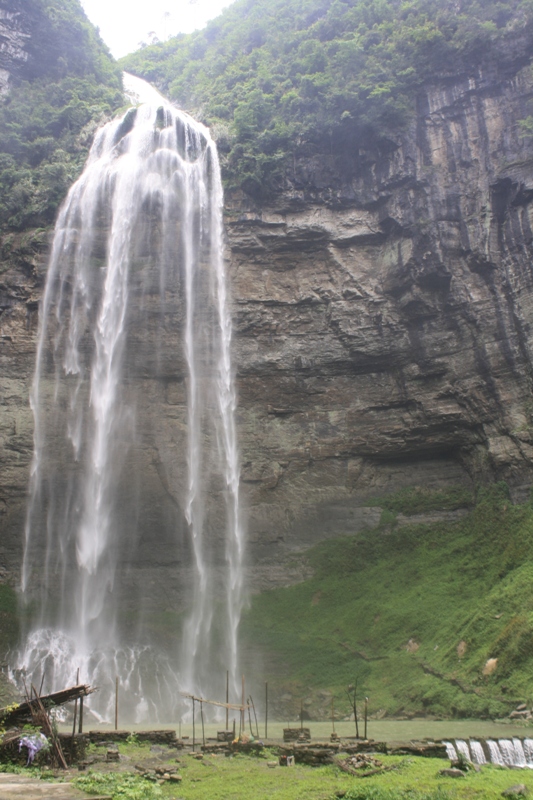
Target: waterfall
(496,756)
(462,749)
(528,750)
(136,305)
(450,751)
(504,752)
(478,756)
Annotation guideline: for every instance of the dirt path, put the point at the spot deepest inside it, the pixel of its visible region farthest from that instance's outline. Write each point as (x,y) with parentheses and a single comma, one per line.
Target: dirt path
(19,787)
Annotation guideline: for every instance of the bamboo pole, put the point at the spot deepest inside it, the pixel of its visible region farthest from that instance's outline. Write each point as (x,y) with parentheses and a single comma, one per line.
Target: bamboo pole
(251,703)
(353,701)
(75,707)
(116,703)
(266,709)
(227,698)
(202,717)
(242,707)
(333,714)
(193,727)
(301,715)
(366,714)
(249,717)
(42,720)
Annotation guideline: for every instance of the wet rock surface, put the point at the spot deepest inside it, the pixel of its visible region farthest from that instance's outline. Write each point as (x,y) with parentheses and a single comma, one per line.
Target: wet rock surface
(383,310)
(383,319)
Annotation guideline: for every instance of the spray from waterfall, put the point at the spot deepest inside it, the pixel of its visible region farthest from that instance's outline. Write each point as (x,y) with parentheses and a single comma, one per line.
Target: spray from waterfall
(138,245)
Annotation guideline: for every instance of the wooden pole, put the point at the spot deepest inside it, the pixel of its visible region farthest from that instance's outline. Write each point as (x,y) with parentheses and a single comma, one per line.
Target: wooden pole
(42,720)
(333,714)
(227,698)
(353,701)
(202,716)
(193,727)
(266,710)
(75,707)
(366,714)
(251,701)
(249,717)
(301,715)
(80,727)
(116,703)
(242,706)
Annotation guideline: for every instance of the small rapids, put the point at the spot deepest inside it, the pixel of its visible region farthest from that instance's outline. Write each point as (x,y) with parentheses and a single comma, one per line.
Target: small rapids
(504,752)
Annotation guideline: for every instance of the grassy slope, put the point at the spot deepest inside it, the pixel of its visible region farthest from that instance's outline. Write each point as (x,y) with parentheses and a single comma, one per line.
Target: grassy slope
(438,585)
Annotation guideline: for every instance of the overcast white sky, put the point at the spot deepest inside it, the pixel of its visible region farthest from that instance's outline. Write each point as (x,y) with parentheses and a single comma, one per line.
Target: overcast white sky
(125,23)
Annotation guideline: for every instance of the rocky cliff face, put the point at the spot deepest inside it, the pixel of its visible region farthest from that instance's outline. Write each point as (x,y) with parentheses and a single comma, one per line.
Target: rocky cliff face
(383,309)
(14,40)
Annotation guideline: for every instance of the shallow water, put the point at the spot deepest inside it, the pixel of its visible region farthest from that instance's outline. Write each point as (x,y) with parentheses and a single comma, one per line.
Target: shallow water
(380,730)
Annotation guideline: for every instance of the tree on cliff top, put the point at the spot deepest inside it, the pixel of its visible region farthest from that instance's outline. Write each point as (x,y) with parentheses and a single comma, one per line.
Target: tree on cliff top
(68,83)
(268,74)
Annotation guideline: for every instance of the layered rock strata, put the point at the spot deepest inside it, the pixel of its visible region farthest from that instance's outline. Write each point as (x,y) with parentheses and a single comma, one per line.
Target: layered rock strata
(383,306)
(383,311)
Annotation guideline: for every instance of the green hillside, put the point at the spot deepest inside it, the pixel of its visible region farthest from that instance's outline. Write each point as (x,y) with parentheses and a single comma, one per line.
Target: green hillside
(271,76)
(413,613)
(68,84)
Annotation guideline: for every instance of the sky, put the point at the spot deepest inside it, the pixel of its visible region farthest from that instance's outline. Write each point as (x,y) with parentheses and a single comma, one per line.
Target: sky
(124,24)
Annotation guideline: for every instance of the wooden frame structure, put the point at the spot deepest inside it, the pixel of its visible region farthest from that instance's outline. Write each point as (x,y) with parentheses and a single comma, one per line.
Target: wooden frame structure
(240,707)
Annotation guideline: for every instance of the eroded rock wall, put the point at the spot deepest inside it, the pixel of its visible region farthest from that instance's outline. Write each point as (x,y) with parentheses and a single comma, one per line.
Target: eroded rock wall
(14,40)
(382,308)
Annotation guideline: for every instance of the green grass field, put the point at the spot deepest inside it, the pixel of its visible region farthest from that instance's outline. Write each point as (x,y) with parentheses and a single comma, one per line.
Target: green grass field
(412,613)
(250,778)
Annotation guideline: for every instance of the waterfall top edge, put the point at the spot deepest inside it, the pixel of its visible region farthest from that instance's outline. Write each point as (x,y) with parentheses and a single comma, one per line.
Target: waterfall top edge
(140,92)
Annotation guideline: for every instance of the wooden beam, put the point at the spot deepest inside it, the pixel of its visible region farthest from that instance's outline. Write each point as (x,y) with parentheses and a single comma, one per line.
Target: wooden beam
(234,706)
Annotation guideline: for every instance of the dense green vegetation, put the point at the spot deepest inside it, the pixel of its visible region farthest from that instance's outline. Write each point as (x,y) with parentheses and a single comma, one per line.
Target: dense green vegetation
(119,786)
(273,75)
(67,86)
(413,613)
(417,500)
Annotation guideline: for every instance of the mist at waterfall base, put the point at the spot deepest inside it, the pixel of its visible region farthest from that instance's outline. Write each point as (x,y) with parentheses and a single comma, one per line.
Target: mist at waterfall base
(130,520)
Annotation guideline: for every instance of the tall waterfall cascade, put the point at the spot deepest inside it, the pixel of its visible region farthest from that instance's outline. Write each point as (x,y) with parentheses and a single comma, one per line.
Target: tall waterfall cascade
(134,520)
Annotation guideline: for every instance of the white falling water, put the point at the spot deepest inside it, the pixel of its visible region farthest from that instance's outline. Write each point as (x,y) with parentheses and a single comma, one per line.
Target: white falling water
(462,748)
(450,751)
(138,245)
(508,752)
(528,750)
(478,756)
(504,752)
(496,756)
(519,759)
